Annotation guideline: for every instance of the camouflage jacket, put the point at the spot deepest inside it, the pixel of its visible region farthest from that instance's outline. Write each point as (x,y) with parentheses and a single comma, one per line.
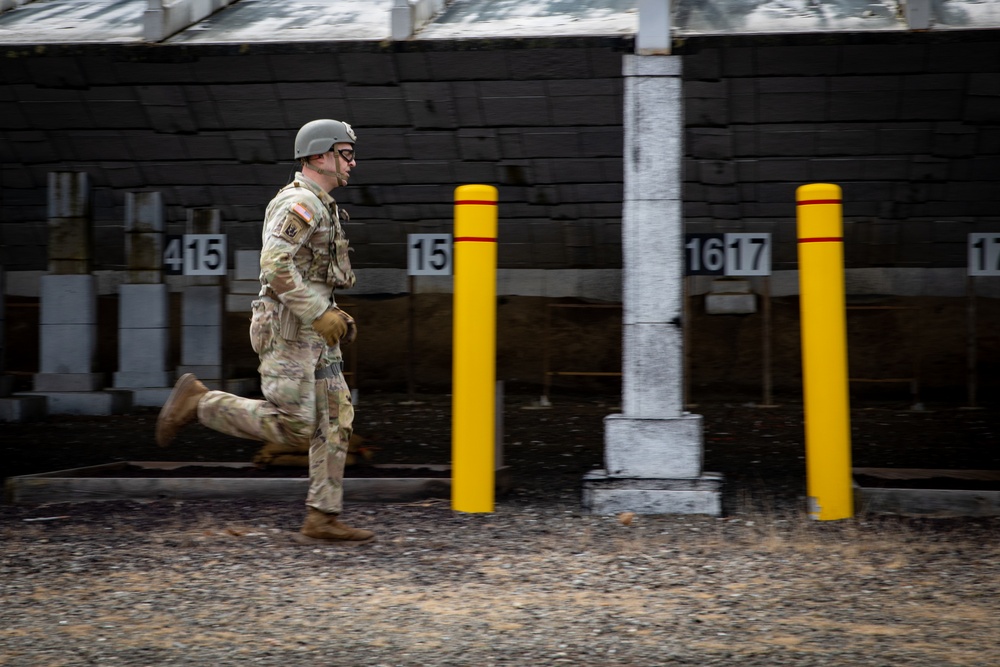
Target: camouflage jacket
(305,251)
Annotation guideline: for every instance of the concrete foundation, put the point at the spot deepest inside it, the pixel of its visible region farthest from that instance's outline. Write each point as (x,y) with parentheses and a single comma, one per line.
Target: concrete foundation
(653,450)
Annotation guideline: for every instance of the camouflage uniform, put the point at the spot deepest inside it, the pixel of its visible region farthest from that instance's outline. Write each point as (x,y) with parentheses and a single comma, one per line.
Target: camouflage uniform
(303,258)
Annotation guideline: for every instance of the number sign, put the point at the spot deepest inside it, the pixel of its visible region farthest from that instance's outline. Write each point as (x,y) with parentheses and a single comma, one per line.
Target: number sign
(428,254)
(984,254)
(727,254)
(195,255)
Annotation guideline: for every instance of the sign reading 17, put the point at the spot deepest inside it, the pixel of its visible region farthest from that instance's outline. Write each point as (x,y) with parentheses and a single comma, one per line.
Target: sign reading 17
(195,255)
(743,254)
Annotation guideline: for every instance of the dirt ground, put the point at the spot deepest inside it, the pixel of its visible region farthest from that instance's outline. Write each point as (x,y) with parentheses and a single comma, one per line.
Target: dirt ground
(535,583)
(760,450)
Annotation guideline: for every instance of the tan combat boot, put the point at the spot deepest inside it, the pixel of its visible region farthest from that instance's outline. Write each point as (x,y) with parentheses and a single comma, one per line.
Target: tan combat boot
(180,409)
(323,528)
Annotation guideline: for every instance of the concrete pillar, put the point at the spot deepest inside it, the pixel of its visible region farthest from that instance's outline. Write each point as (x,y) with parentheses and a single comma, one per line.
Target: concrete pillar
(13,408)
(202,311)
(68,319)
(653,450)
(6,382)
(68,322)
(144,304)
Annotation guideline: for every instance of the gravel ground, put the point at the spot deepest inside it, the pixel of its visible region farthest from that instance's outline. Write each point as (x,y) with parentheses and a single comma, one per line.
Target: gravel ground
(533,583)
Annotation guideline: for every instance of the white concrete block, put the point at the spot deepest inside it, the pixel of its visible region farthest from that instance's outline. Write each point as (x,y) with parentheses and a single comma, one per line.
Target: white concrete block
(143,350)
(730,304)
(68,381)
(68,299)
(142,379)
(653,448)
(67,348)
(23,408)
(639,65)
(652,363)
(605,495)
(143,307)
(144,212)
(202,305)
(247,265)
(653,111)
(68,194)
(201,346)
(729,286)
(88,403)
(244,287)
(652,501)
(653,36)
(151,398)
(210,374)
(653,258)
(240,303)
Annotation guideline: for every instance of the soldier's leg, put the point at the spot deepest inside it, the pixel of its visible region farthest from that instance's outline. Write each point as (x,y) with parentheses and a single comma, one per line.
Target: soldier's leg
(328,451)
(287,416)
(327,457)
(287,380)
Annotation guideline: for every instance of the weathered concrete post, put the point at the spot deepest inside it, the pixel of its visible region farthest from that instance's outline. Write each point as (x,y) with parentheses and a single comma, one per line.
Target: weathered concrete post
(144,304)
(6,382)
(653,450)
(201,311)
(68,323)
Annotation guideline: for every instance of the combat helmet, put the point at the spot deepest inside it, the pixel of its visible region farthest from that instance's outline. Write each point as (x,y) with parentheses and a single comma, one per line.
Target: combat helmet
(318,136)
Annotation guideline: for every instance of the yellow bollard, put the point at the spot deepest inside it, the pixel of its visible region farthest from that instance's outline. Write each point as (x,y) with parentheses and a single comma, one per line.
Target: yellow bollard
(473,402)
(824,352)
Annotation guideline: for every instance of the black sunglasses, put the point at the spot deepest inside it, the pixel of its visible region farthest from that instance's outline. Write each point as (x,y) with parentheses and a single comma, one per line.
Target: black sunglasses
(346,153)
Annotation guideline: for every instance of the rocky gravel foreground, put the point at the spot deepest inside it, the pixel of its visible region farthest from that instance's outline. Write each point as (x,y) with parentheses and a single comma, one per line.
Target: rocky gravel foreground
(534,583)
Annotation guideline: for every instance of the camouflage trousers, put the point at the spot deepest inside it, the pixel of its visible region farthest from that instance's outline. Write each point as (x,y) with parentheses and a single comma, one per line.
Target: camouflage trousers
(307,401)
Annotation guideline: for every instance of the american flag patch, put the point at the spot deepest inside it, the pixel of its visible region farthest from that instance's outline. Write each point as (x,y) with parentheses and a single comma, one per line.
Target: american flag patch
(302,212)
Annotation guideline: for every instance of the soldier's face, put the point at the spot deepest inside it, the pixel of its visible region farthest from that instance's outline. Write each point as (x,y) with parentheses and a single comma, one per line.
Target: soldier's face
(339,159)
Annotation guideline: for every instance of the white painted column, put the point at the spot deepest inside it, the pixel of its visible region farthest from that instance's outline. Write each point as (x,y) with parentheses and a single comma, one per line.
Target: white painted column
(68,326)
(653,450)
(144,304)
(68,316)
(202,312)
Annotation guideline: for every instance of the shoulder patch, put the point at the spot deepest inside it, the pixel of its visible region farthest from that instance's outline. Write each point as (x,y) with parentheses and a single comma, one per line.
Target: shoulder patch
(299,209)
(293,229)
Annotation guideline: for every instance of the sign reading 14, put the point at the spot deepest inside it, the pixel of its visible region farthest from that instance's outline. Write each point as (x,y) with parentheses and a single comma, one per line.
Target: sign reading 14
(195,255)
(733,254)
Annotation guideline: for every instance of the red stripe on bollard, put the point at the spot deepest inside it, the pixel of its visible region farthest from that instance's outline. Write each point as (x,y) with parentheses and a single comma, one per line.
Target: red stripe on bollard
(475,202)
(810,202)
(480,239)
(823,239)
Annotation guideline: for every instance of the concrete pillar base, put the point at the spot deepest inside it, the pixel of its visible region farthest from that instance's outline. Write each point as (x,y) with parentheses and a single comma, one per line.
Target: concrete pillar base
(21,409)
(100,403)
(607,495)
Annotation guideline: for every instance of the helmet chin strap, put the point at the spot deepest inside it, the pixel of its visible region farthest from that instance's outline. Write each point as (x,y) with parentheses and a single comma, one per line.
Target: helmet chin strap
(339,175)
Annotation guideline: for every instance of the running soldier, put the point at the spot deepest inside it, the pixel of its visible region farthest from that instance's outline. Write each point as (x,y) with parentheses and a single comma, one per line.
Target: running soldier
(296,330)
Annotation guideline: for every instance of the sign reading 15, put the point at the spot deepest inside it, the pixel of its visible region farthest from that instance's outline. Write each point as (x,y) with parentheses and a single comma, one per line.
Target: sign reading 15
(195,255)
(428,254)
(743,254)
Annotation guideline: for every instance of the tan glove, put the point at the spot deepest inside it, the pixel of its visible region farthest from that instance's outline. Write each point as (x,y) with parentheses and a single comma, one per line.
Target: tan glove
(352,327)
(331,326)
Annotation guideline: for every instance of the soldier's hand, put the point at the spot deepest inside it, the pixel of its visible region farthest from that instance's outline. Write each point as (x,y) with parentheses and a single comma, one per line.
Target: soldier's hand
(352,327)
(331,326)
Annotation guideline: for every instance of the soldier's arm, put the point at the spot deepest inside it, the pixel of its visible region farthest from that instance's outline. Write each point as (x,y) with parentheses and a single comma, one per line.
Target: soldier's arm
(286,230)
